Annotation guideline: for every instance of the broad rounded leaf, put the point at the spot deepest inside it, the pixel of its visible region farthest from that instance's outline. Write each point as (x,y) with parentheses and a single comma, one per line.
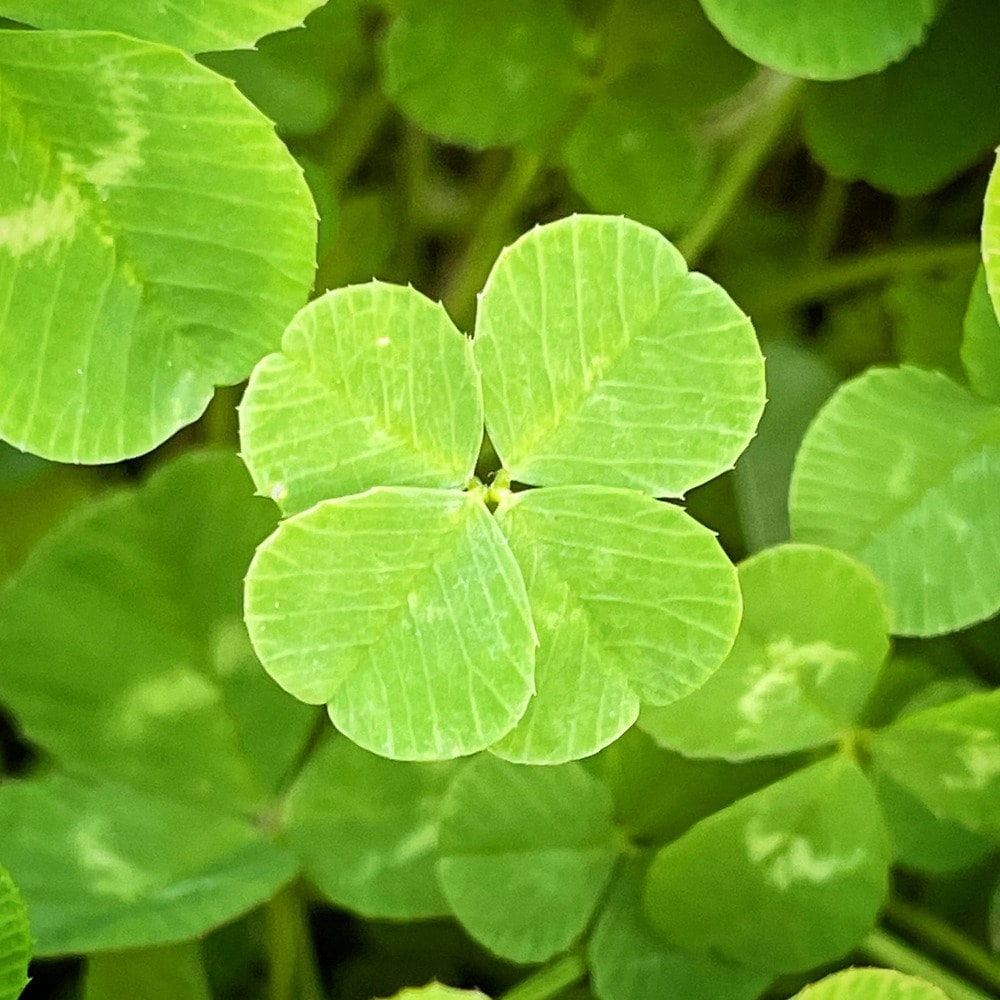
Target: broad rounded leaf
(991,237)
(866,984)
(820,40)
(813,637)
(15,940)
(123,648)
(155,238)
(629,961)
(192,25)
(915,126)
(102,866)
(633,600)
(366,830)
(604,361)
(435,991)
(513,74)
(631,154)
(525,853)
(809,851)
(900,469)
(948,756)
(981,342)
(405,611)
(374,386)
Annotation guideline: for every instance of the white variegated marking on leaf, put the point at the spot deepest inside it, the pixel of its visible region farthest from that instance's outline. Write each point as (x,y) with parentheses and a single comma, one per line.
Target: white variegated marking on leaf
(980,758)
(111,874)
(44,222)
(151,701)
(788,860)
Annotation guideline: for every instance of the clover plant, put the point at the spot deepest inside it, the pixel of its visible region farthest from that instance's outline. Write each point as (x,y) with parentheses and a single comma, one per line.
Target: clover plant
(499,499)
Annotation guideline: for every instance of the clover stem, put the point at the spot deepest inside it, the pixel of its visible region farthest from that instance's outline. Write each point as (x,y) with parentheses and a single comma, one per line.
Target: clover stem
(292,972)
(550,980)
(745,163)
(887,950)
(827,218)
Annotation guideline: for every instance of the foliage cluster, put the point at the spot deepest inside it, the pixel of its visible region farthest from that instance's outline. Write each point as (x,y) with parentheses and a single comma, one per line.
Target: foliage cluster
(502,624)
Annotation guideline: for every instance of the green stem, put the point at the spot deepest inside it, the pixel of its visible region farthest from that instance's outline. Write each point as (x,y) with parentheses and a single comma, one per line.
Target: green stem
(292,972)
(827,219)
(549,980)
(493,230)
(941,937)
(842,276)
(743,166)
(887,950)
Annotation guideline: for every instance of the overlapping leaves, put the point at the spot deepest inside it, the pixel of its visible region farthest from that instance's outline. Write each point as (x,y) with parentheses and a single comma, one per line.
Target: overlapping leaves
(592,340)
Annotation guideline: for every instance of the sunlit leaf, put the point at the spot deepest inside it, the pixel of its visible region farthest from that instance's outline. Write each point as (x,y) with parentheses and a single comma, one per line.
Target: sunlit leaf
(193,25)
(514,73)
(604,361)
(809,851)
(525,852)
(813,637)
(915,126)
(899,469)
(374,386)
(404,610)
(15,940)
(948,756)
(366,830)
(435,991)
(823,41)
(633,600)
(866,984)
(155,238)
(991,238)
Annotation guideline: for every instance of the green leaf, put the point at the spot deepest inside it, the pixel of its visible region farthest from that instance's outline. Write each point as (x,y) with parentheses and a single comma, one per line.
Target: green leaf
(366,830)
(914,127)
(813,637)
(898,470)
(629,961)
(632,599)
(192,25)
(981,342)
(809,851)
(798,383)
(155,238)
(991,237)
(103,866)
(865,984)
(948,756)
(482,72)
(374,386)
(921,841)
(604,361)
(167,972)
(405,611)
(631,153)
(525,853)
(822,41)
(435,991)
(124,652)
(15,940)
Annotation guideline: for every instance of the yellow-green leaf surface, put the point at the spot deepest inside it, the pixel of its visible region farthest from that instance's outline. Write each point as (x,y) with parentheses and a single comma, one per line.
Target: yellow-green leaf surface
(436,991)
(869,984)
(482,72)
(991,237)
(103,866)
(948,756)
(809,851)
(525,853)
(813,637)
(167,972)
(124,651)
(981,342)
(366,829)
(192,25)
(374,386)
(15,940)
(629,961)
(606,362)
(402,609)
(921,122)
(633,601)
(820,40)
(155,238)
(901,469)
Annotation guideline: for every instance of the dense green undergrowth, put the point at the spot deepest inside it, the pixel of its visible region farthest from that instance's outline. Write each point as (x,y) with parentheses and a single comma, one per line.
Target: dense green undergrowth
(505,495)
